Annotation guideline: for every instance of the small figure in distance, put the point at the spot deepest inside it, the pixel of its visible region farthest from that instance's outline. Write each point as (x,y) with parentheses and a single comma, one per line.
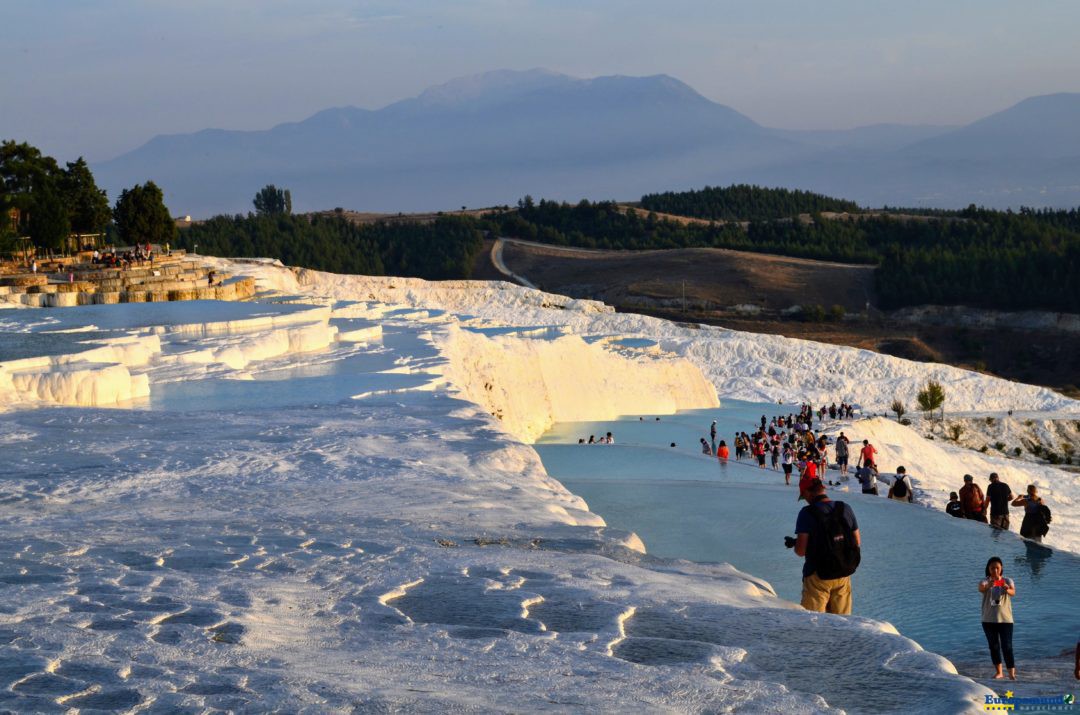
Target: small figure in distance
(1036,523)
(581,440)
(705,447)
(971,499)
(868,456)
(999,495)
(841,450)
(673,445)
(997,615)
(592,439)
(954,507)
(901,490)
(807,476)
(722,452)
(788,462)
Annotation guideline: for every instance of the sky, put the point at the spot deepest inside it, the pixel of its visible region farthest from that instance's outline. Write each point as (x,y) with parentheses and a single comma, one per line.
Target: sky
(100,77)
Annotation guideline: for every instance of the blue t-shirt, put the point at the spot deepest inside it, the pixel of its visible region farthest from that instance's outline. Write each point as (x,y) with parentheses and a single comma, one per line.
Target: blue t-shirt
(807,524)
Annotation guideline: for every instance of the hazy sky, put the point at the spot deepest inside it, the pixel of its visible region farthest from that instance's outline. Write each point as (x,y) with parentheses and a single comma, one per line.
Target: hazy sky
(101,77)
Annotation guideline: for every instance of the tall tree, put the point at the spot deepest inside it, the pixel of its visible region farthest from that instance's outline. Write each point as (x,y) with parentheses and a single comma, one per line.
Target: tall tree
(48,225)
(272,201)
(87,205)
(23,172)
(140,215)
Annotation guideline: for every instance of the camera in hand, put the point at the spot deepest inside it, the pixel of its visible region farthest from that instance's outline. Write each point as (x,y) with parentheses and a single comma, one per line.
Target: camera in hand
(789,542)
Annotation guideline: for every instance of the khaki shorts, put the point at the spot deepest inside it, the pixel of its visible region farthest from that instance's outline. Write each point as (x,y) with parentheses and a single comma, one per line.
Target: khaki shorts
(831,595)
(1000,521)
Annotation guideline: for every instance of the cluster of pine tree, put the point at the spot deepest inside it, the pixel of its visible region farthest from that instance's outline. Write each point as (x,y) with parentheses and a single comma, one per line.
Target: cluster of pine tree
(743,202)
(442,249)
(977,257)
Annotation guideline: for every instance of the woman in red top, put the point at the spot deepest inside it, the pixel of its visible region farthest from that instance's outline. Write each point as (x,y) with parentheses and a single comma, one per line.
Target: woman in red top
(807,476)
(722,451)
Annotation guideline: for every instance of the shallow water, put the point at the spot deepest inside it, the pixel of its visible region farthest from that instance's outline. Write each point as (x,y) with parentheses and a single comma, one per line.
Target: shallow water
(919,570)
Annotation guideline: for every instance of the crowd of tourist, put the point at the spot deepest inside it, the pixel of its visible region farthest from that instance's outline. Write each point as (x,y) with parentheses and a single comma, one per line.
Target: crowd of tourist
(112,258)
(827,533)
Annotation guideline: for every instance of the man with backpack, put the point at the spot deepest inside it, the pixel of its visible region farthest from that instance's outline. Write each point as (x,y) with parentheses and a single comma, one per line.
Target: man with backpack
(901,488)
(827,535)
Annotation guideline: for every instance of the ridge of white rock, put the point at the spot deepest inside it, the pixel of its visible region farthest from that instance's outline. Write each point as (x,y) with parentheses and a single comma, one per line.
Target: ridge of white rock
(743,366)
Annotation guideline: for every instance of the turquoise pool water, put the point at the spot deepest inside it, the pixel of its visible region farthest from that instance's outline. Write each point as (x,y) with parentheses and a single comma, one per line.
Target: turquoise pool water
(919,570)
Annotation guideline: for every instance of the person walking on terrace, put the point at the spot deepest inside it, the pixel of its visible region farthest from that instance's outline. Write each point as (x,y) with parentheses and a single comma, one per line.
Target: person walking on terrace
(999,495)
(827,536)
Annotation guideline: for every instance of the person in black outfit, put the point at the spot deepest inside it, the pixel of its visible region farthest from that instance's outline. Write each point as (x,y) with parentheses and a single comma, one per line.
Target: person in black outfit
(954,507)
(999,495)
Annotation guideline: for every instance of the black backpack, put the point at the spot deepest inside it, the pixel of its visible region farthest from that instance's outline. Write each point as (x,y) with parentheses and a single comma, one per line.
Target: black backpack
(900,487)
(1044,512)
(836,554)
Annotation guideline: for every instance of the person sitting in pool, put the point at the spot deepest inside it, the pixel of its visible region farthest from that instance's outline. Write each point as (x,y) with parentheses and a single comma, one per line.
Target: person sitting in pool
(866,478)
(706,448)
(610,438)
(592,439)
(997,615)
(954,507)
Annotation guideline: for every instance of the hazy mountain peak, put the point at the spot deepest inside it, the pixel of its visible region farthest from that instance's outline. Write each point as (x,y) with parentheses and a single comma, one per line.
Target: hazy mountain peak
(471,88)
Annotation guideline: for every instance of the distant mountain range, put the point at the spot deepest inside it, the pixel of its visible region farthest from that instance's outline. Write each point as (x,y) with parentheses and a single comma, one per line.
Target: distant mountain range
(492,138)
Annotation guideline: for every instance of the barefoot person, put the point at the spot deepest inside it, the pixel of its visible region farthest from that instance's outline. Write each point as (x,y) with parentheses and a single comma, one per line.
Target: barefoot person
(997,616)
